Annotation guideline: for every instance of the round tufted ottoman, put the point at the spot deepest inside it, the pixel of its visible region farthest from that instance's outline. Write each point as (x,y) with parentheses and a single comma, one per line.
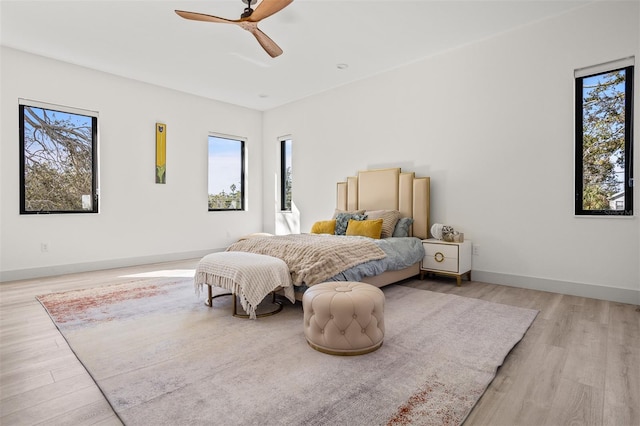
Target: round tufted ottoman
(344,318)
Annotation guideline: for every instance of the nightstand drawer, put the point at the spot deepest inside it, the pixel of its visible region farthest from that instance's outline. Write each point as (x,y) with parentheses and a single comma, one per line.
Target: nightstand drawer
(440,258)
(446,250)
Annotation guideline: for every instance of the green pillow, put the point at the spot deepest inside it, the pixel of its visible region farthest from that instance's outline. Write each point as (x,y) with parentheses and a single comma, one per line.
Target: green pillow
(342,221)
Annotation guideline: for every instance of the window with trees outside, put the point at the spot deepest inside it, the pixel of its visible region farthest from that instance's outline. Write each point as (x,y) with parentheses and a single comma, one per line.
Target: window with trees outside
(58,159)
(286,178)
(604,140)
(226,173)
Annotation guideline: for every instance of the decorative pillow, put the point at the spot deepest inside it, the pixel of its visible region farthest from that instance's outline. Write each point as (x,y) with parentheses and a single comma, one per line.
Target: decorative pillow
(389,220)
(324,227)
(342,221)
(402,227)
(338,211)
(365,228)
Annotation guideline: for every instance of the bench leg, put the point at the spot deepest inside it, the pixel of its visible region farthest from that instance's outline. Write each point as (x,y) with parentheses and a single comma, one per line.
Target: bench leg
(210,297)
(264,314)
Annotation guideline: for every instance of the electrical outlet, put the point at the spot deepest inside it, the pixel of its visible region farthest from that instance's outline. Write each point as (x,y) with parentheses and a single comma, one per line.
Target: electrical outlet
(44,247)
(475,249)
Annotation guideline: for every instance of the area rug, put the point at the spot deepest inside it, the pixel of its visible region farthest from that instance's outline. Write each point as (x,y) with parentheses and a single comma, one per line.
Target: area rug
(161,357)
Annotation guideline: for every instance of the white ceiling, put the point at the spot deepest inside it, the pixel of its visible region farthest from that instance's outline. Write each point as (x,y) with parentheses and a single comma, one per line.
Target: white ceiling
(145,40)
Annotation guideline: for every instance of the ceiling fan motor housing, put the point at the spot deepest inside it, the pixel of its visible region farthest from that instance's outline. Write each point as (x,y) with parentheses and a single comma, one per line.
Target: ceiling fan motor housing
(247,10)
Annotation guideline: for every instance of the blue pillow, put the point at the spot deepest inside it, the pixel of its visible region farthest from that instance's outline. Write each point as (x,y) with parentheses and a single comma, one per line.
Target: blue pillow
(342,221)
(402,227)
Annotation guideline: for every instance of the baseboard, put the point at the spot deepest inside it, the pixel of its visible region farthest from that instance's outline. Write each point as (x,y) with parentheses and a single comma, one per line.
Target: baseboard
(613,294)
(55,270)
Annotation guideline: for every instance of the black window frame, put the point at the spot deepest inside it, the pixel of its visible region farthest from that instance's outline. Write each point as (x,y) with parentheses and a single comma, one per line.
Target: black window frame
(628,180)
(94,157)
(242,171)
(283,174)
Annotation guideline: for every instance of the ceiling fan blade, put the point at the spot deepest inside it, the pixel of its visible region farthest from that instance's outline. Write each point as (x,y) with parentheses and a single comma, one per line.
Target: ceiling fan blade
(194,16)
(250,23)
(267,44)
(268,8)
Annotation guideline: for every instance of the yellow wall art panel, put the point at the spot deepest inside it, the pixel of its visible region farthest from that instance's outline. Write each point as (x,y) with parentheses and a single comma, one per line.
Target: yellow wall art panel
(161,153)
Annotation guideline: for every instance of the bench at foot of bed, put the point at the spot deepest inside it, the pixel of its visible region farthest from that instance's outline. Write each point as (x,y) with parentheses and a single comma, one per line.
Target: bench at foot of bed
(249,277)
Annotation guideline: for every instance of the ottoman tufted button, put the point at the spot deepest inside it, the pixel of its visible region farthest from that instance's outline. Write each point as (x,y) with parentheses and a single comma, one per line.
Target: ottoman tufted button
(342,332)
(330,316)
(363,330)
(342,289)
(322,331)
(355,316)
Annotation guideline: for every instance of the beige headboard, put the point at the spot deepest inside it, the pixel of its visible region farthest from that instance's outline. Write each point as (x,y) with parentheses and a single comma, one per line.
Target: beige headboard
(388,189)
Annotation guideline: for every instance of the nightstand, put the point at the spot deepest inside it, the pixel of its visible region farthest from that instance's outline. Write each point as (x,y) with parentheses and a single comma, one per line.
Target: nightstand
(441,257)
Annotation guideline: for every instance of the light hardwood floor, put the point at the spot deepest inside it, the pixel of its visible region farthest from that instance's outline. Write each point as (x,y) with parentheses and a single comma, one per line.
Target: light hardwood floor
(579,363)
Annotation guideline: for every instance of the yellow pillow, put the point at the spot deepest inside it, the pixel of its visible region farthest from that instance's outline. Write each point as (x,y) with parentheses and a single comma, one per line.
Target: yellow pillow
(324,227)
(365,228)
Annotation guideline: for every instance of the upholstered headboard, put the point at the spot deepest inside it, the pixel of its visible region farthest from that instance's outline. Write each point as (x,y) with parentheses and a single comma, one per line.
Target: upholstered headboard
(388,189)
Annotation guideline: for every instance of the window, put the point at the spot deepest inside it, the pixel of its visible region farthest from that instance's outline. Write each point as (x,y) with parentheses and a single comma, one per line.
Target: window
(226,173)
(58,159)
(285,175)
(604,132)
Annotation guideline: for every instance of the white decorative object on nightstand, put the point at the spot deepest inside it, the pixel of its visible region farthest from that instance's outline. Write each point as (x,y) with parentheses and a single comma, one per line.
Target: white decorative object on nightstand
(441,257)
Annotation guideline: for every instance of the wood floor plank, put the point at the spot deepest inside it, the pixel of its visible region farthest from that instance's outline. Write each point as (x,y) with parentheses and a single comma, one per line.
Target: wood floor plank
(24,383)
(576,404)
(24,400)
(18,381)
(63,406)
(561,324)
(622,379)
(625,323)
(587,357)
(37,362)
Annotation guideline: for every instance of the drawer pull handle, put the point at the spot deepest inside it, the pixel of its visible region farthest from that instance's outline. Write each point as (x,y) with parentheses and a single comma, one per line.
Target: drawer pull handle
(439,257)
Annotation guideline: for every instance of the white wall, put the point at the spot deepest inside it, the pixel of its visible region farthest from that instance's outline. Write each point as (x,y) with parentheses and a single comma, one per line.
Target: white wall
(139,221)
(492,125)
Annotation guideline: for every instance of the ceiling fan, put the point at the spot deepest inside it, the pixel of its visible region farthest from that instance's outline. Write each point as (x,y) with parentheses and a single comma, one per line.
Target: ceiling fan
(248,21)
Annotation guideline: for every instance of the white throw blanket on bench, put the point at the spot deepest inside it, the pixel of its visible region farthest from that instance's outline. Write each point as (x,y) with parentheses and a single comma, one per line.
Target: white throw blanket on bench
(249,276)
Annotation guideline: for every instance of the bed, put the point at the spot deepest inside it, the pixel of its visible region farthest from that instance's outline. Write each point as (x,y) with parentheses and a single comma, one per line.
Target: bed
(384,198)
